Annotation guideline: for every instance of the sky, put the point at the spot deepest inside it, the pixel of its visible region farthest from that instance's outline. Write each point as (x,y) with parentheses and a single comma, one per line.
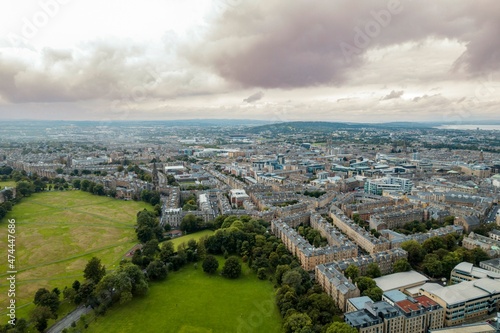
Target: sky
(329,60)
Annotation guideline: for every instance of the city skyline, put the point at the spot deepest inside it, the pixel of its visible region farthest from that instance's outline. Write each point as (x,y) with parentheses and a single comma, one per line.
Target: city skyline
(376,61)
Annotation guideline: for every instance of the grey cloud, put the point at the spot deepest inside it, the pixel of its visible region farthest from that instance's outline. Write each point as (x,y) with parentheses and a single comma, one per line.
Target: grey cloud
(322,42)
(254,98)
(110,70)
(393,94)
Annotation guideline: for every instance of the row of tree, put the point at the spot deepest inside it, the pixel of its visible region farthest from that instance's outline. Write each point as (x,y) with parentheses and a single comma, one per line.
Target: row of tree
(438,255)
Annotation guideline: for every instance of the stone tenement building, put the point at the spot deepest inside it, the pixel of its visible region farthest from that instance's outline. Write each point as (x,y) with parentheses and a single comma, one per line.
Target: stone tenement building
(308,255)
(395,219)
(385,261)
(358,234)
(335,284)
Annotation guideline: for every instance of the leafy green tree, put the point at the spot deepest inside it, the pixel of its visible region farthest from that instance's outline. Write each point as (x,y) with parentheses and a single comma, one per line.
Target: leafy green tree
(352,272)
(157,270)
(373,270)
(210,264)
(434,243)
(261,273)
(150,248)
(402,265)
(25,188)
(415,252)
(292,278)
(232,268)
(479,255)
(365,283)
(94,270)
(43,297)
(338,327)
(167,251)
(40,317)
(374,293)
(432,265)
(297,323)
(280,271)
(77,183)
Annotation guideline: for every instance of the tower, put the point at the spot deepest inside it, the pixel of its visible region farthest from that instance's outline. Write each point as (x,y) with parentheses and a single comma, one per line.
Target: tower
(481,157)
(156,184)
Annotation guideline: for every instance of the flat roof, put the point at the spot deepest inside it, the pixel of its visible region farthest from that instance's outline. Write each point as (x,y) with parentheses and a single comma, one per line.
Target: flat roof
(359,302)
(465,291)
(400,280)
(395,295)
(472,328)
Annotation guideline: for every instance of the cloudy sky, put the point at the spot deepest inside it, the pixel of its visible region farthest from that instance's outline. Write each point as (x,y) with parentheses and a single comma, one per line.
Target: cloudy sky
(333,60)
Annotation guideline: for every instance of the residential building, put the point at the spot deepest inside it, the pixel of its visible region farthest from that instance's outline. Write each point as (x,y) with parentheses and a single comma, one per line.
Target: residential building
(335,284)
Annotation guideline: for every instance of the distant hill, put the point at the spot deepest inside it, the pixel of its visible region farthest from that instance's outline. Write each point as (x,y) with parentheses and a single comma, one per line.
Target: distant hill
(323,126)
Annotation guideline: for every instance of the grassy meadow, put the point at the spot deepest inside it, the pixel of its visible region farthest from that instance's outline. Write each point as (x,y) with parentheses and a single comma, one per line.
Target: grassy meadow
(57,233)
(190,301)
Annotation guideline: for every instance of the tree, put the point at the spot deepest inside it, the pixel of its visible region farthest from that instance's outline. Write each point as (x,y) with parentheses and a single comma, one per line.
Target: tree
(94,270)
(43,297)
(167,251)
(150,248)
(338,327)
(373,270)
(280,271)
(434,243)
(261,273)
(402,265)
(415,252)
(157,270)
(292,278)
(365,283)
(25,188)
(374,293)
(191,223)
(352,272)
(232,268)
(432,265)
(40,316)
(210,264)
(297,323)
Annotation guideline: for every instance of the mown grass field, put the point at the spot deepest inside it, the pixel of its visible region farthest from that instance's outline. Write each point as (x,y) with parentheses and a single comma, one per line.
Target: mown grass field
(57,233)
(190,301)
(195,235)
(7,184)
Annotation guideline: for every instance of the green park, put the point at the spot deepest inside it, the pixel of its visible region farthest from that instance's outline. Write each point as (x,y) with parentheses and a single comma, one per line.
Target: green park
(192,301)
(57,233)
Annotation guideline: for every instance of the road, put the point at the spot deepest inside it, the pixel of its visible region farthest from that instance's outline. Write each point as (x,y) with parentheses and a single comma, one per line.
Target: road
(492,216)
(69,319)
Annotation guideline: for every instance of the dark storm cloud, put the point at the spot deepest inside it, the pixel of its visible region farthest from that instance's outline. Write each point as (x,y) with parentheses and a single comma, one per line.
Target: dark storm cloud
(282,44)
(393,94)
(254,98)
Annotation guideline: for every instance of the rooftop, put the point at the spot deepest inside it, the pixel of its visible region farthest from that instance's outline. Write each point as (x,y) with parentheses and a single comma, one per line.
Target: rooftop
(464,291)
(400,280)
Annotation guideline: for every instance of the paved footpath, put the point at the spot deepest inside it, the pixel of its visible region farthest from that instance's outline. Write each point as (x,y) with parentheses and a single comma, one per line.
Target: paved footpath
(69,319)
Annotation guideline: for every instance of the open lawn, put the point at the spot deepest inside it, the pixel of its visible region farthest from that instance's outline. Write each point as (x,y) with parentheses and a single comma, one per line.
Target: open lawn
(57,233)
(7,184)
(195,235)
(190,301)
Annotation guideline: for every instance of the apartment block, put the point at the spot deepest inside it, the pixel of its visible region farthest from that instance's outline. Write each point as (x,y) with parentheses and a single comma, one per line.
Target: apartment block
(308,255)
(357,234)
(335,284)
